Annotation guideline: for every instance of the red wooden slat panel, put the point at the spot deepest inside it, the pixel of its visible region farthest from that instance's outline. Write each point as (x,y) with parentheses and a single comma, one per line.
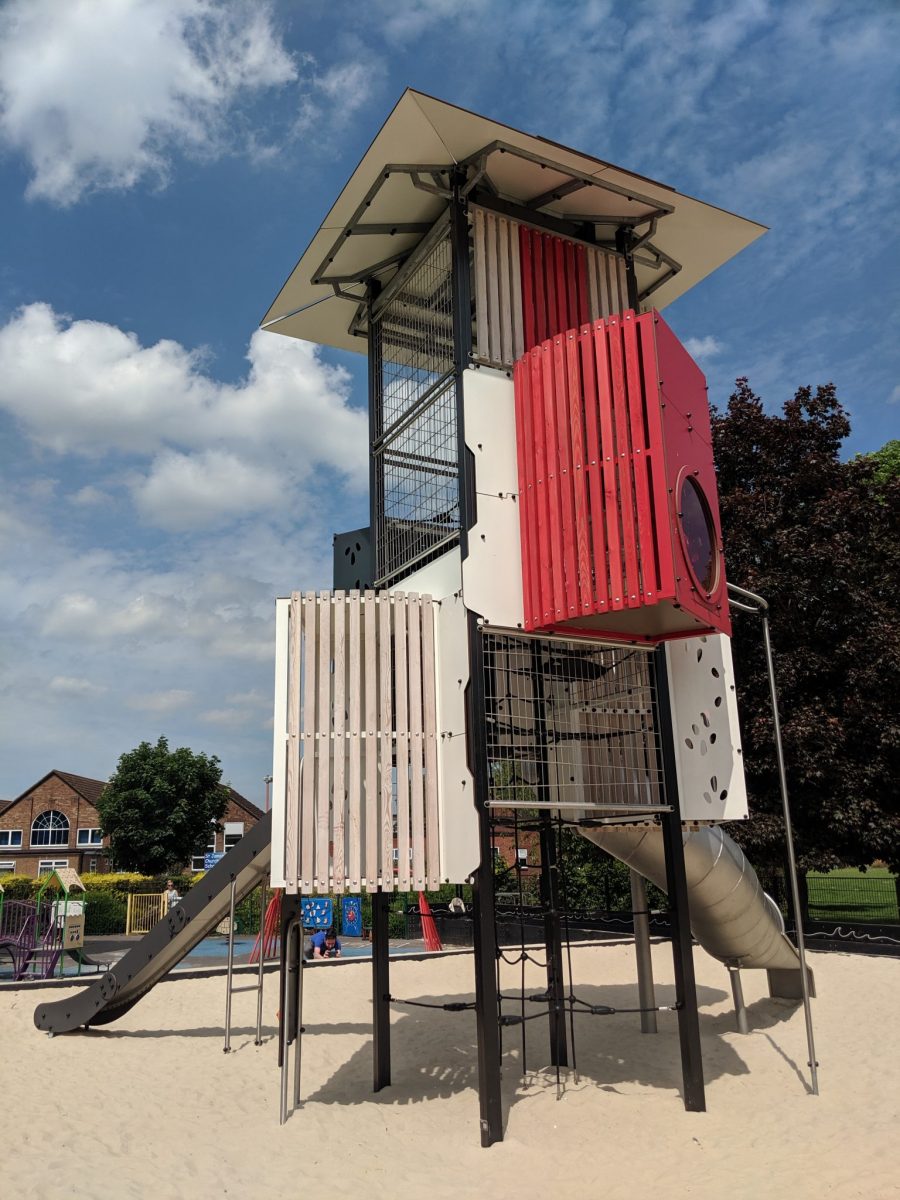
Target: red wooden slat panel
(632,596)
(540,291)
(594,469)
(566,489)
(584,298)
(551,458)
(527,277)
(573,315)
(657,465)
(549,326)
(541,565)
(525,457)
(649,583)
(608,451)
(578,475)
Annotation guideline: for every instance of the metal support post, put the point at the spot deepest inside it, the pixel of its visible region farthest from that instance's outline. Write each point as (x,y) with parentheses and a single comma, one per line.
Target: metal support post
(760,607)
(262,959)
(624,239)
(676,886)
(227,1046)
(641,917)
(376,471)
(740,1009)
(381,991)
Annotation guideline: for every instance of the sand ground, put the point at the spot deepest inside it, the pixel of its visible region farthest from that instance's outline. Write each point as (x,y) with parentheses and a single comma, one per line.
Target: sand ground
(151,1107)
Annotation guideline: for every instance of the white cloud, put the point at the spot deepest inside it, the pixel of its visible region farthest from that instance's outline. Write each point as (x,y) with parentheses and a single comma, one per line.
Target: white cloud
(88,496)
(703,348)
(66,685)
(208,452)
(99,93)
(161,702)
(407,21)
(894,397)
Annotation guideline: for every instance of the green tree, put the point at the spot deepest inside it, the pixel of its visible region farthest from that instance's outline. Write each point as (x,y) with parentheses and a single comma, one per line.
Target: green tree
(818,538)
(159,806)
(886,462)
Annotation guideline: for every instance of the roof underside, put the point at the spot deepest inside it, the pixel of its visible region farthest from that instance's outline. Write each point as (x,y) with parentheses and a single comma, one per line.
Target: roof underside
(400,188)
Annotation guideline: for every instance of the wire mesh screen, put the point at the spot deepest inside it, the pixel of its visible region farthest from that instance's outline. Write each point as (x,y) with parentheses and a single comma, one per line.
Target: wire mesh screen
(415,435)
(571,724)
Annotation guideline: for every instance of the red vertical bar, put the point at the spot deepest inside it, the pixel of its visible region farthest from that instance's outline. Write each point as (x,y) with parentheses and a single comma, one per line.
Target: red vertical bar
(656,456)
(542,574)
(583,306)
(566,483)
(526,270)
(551,452)
(521,387)
(561,285)
(643,507)
(632,594)
(608,450)
(578,479)
(594,469)
(550,326)
(540,299)
(573,316)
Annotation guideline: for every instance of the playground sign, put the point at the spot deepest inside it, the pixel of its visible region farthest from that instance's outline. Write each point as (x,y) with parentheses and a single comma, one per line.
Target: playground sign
(210,860)
(351,916)
(73,936)
(318,912)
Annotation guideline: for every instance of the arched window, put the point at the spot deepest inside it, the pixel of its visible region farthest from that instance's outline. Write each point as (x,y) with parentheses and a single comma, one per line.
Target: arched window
(50,828)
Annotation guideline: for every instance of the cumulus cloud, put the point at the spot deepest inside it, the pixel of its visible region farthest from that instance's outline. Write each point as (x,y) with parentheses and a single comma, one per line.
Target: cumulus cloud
(67,685)
(703,348)
(161,702)
(98,93)
(207,452)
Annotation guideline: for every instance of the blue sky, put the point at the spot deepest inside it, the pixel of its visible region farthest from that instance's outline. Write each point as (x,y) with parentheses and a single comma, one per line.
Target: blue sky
(168,469)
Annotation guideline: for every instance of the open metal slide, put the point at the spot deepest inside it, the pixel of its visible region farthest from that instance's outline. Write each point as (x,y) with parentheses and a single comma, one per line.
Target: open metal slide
(170,939)
(731,916)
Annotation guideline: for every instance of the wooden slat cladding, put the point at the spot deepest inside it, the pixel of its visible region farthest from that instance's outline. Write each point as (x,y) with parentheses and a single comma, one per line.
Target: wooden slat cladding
(531,285)
(363,813)
(594,511)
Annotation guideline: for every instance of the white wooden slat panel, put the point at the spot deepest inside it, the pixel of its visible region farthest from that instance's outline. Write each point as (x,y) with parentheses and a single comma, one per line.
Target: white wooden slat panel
(402,723)
(416,788)
(505,313)
(369,811)
(493,288)
(607,304)
(325,746)
(292,789)
(386,741)
(593,286)
(307,790)
(429,727)
(339,746)
(481,300)
(623,285)
(354,751)
(516,285)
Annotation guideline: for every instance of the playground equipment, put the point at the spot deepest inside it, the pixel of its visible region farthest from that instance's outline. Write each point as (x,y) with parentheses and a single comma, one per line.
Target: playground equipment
(533,631)
(37,934)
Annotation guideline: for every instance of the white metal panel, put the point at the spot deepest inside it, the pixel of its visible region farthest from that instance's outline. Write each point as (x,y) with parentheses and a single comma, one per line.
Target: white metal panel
(458,817)
(438,578)
(492,572)
(279,741)
(711,784)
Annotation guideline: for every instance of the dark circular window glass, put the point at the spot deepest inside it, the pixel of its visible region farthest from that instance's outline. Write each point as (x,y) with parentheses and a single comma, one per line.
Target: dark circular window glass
(698,533)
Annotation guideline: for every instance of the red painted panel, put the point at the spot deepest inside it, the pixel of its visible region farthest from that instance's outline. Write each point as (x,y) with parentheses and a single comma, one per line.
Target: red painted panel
(615,585)
(631,583)
(542,493)
(566,487)
(649,582)
(525,460)
(579,479)
(594,470)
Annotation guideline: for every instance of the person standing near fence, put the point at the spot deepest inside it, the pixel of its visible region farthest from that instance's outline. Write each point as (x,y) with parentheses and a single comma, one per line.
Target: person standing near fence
(172,897)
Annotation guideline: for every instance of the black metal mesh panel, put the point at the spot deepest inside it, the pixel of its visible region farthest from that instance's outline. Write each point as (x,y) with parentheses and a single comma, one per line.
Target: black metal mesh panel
(415,448)
(570,723)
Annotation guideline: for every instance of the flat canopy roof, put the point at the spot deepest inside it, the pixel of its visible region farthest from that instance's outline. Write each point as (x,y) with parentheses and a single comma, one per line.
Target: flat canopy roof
(399,190)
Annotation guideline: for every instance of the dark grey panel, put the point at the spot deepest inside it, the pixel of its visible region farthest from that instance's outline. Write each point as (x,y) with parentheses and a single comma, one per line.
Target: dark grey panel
(354,560)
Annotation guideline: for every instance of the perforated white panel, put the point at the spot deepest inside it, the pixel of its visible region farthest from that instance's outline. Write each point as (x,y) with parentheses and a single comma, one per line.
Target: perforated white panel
(459,818)
(707,734)
(492,572)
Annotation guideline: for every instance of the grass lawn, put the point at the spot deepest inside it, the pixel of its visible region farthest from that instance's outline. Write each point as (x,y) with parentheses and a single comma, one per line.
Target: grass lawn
(853,895)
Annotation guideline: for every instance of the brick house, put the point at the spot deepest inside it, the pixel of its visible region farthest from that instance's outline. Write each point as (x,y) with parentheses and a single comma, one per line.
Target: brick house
(55,824)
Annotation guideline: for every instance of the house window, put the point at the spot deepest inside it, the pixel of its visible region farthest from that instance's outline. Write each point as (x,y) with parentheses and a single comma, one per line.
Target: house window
(234,831)
(92,865)
(7,866)
(522,857)
(46,865)
(90,837)
(50,828)
(10,837)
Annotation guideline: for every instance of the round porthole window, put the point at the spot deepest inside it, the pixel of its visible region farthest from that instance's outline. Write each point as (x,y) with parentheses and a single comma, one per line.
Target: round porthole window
(698,534)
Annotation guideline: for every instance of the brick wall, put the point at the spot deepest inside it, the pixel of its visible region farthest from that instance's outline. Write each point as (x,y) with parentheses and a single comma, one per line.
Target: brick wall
(52,793)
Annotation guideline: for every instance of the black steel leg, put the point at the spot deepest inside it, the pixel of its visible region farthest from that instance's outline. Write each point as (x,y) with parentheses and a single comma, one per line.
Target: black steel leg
(381,991)
(486,1011)
(553,942)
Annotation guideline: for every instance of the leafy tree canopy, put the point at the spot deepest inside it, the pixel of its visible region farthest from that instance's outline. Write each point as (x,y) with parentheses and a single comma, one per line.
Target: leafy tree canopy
(886,462)
(159,806)
(817,538)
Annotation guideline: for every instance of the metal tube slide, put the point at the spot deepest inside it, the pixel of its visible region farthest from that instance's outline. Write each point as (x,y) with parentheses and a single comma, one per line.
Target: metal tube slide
(731,916)
(170,939)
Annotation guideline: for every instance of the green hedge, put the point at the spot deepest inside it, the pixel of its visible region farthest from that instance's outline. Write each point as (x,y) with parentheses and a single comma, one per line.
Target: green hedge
(104,913)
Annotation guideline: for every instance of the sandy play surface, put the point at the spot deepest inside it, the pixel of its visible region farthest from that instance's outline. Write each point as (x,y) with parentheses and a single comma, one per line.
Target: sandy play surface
(151,1107)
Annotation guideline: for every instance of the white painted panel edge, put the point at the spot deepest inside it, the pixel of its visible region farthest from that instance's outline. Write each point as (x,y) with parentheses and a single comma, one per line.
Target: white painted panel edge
(458,818)
(279,740)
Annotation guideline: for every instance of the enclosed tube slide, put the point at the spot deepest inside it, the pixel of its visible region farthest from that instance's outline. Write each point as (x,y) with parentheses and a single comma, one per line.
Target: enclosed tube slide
(731,916)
